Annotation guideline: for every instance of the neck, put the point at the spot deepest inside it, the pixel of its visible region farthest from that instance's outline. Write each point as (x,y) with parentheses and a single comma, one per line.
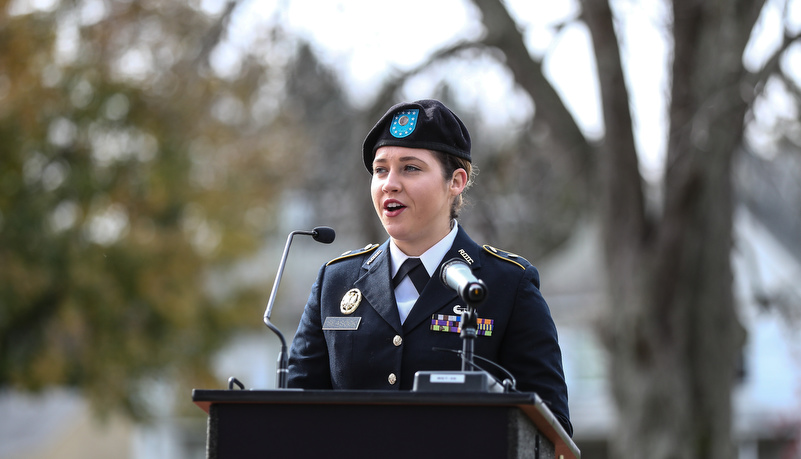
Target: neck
(419,247)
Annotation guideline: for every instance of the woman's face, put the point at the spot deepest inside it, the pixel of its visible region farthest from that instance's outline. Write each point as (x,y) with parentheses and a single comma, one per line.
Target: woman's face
(412,198)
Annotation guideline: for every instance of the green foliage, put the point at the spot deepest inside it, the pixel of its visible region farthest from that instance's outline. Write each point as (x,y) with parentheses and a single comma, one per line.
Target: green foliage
(127,169)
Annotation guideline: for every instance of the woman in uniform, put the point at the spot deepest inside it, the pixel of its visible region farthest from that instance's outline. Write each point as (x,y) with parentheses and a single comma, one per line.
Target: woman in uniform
(374,314)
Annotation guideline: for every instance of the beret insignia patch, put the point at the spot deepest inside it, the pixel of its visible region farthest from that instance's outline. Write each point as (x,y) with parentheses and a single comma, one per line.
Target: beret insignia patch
(403,123)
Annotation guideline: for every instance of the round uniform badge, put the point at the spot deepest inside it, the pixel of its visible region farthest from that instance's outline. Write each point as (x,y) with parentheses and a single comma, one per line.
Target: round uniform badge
(350,301)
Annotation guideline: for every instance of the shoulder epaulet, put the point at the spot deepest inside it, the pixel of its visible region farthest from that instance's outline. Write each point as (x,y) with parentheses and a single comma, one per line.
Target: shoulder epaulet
(352,253)
(504,255)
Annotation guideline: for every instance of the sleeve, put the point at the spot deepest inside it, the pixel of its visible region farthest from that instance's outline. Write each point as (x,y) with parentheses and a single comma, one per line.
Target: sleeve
(531,348)
(308,355)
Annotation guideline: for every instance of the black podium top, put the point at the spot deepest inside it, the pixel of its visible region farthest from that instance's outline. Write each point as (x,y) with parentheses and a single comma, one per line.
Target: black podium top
(203,398)
(529,403)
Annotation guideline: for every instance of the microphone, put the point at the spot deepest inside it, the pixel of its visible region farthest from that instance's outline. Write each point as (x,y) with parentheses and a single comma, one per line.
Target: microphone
(322,234)
(457,275)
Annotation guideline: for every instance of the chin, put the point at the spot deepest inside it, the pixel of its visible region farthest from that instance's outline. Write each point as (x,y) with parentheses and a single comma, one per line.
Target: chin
(397,233)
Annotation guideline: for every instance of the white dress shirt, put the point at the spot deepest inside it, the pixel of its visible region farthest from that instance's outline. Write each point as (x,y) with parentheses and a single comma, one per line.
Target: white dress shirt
(405,293)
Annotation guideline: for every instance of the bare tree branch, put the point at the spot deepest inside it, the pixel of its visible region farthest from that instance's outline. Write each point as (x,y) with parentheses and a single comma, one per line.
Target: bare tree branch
(215,33)
(791,85)
(758,79)
(624,197)
(503,34)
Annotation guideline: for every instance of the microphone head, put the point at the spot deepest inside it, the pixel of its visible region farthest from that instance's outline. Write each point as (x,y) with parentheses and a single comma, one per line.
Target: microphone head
(324,234)
(475,292)
(452,263)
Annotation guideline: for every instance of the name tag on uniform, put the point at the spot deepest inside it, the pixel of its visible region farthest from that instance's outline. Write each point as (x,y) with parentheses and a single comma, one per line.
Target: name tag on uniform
(341,323)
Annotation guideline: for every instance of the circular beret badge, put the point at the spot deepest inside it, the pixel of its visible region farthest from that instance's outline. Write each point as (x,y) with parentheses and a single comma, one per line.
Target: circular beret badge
(403,123)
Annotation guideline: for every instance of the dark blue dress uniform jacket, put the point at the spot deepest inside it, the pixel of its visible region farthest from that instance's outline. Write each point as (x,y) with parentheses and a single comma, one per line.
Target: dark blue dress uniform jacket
(382,354)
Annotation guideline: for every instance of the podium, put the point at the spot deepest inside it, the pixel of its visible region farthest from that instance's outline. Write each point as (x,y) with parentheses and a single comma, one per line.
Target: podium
(365,424)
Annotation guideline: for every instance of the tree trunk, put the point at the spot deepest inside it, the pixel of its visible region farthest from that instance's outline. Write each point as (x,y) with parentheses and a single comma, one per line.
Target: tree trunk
(673,333)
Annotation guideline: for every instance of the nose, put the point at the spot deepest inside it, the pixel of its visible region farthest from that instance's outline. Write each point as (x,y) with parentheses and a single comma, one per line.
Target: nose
(391,182)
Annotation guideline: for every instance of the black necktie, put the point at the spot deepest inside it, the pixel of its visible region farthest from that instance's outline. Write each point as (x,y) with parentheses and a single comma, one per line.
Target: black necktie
(416,271)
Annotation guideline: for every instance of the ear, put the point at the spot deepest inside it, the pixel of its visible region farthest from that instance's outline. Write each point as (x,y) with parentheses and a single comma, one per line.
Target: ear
(458,182)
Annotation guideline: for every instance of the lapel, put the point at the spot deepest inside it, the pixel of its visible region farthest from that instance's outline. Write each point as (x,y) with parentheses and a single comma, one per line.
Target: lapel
(436,294)
(376,286)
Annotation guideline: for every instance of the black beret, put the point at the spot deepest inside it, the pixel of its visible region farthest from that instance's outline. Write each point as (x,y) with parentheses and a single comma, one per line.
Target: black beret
(426,124)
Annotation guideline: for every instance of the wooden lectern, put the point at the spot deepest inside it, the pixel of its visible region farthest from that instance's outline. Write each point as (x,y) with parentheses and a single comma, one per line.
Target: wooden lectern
(365,424)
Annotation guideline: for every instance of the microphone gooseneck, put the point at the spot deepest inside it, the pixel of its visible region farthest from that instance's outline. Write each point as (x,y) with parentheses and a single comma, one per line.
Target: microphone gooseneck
(321,234)
(457,275)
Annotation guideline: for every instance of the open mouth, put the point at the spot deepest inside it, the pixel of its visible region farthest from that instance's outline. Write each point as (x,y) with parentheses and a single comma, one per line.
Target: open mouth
(393,207)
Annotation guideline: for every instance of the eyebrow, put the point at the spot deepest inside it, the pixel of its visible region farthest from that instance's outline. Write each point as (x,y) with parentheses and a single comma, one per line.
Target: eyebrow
(403,159)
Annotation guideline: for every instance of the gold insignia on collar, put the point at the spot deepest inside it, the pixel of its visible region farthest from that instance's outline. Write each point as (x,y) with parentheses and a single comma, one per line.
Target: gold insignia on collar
(350,301)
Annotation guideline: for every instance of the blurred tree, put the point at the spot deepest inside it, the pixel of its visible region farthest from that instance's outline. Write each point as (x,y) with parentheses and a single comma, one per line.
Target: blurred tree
(129,165)
(672,330)
(332,176)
